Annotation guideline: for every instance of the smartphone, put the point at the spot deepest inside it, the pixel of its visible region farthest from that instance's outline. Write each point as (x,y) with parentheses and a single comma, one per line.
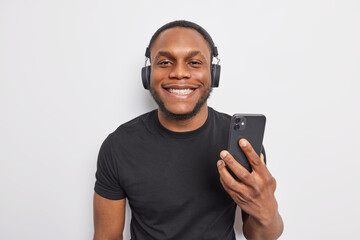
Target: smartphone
(248,126)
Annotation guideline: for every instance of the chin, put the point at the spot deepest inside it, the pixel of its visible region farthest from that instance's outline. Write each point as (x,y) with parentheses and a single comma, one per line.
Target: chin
(182,114)
(180,111)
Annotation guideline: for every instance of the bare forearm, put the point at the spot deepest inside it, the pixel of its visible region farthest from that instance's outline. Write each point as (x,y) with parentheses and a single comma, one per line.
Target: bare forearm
(254,230)
(96,237)
(109,218)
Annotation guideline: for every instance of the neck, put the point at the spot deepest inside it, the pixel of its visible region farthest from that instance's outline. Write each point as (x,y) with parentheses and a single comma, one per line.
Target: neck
(185,125)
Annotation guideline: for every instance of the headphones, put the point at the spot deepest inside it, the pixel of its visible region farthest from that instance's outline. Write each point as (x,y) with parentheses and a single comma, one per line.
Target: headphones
(215,70)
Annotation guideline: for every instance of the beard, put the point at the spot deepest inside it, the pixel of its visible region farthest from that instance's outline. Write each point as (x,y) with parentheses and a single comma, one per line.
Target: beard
(184,116)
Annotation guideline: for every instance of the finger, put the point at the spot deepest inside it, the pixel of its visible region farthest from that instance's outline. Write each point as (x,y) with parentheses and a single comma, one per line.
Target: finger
(237,197)
(224,174)
(228,180)
(239,171)
(227,189)
(251,155)
(262,158)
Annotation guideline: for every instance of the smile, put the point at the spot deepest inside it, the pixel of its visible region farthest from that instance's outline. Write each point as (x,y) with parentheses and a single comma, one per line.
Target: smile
(186,91)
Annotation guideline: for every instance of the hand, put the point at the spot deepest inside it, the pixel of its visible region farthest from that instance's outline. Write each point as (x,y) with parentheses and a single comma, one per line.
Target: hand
(254,194)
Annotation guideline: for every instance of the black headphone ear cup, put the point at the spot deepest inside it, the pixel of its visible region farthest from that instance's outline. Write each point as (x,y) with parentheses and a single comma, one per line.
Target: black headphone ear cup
(215,75)
(145,76)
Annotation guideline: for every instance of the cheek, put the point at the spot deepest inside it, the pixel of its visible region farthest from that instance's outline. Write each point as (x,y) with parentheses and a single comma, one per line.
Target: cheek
(156,77)
(203,76)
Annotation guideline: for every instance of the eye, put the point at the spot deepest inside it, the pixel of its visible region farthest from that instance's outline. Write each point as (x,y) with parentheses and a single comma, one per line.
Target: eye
(195,63)
(164,63)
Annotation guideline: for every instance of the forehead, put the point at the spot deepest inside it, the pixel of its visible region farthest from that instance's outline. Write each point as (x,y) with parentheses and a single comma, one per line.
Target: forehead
(180,39)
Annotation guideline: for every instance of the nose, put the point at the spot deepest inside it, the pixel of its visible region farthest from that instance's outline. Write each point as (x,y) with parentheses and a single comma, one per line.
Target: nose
(179,71)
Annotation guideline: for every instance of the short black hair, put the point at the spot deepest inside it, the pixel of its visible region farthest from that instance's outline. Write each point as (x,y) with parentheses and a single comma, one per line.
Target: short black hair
(184,24)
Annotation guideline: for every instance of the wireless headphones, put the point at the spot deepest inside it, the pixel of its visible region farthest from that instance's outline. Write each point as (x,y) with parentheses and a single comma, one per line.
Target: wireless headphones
(215,70)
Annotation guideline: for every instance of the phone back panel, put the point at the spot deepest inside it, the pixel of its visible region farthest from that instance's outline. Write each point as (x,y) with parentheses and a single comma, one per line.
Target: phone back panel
(250,127)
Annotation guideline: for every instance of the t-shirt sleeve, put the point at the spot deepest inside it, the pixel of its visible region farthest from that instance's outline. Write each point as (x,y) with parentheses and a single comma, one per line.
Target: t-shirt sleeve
(107,182)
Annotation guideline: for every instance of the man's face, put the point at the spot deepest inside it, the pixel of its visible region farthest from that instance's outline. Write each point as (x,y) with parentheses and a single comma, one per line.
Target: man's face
(180,80)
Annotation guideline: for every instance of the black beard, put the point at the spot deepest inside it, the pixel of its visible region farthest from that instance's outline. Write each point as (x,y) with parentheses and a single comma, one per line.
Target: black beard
(185,116)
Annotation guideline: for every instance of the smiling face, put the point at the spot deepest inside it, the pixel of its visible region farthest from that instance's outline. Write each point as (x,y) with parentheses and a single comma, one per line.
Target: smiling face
(180,79)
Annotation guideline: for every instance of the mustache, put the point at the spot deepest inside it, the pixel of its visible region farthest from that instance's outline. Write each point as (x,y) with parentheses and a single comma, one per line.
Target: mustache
(185,116)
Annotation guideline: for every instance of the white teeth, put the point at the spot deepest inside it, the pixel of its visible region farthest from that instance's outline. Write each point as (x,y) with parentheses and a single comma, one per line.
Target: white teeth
(180,91)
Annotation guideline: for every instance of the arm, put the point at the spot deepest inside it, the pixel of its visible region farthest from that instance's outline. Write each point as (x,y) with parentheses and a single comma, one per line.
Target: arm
(254,193)
(109,218)
(253,229)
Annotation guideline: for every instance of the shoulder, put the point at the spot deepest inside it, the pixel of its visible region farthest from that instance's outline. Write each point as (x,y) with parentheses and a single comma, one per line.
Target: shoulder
(220,115)
(131,130)
(220,119)
(128,133)
(136,125)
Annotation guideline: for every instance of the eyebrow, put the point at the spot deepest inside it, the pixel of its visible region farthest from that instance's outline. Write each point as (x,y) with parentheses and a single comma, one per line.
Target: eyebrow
(169,55)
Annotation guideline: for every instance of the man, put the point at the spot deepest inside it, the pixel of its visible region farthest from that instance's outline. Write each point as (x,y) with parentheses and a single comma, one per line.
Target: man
(165,162)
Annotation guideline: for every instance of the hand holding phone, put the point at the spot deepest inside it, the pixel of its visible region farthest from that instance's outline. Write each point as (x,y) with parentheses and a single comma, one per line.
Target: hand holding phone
(248,126)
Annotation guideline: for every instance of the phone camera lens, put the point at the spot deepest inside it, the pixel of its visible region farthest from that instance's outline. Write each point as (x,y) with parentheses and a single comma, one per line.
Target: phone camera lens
(236,127)
(237,120)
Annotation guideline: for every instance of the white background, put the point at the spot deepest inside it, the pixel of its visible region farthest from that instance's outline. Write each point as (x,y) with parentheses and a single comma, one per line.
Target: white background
(70,74)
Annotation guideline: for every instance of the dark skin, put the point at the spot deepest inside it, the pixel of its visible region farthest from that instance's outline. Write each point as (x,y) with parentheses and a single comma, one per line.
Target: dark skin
(109,218)
(180,60)
(254,193)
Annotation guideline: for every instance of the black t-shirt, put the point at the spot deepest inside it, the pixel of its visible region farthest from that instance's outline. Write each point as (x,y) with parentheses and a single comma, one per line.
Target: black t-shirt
(169,178)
